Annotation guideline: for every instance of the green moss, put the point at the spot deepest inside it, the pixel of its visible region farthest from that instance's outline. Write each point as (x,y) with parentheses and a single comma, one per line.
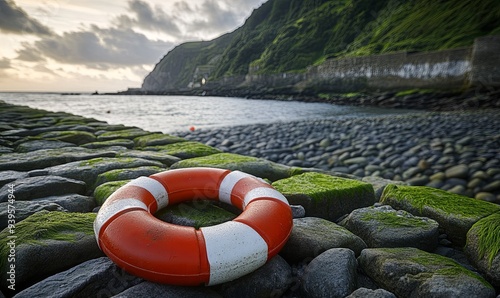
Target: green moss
(414,91)
(186,149)
(45,225)
(103,191)
(393,220)
(97,160)
(201,213)
(156,139)
(435,264)
(130,133)
(448,203)
(488,232)
(218,159)
(318,186)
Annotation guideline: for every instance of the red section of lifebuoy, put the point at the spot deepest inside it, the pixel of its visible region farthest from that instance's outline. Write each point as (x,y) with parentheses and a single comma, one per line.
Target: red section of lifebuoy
(135,240)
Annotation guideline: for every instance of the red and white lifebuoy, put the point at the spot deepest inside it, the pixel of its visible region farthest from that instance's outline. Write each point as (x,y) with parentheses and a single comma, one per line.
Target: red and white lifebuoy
(143,245)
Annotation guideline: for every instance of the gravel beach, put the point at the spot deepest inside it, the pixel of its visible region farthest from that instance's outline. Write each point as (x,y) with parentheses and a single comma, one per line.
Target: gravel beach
(455,151)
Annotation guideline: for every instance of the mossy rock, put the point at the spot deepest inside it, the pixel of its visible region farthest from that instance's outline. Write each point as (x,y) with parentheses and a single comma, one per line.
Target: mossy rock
(410,272)
(199,213)
(126,174)
(89,170)
(385,227)
(255,166)
(74,136)
(455,213)
(185,150)
(103,144)
(157,139)
(47,243)
(160,156)
(130,133)
(483,247)
(103,191)
(326,196)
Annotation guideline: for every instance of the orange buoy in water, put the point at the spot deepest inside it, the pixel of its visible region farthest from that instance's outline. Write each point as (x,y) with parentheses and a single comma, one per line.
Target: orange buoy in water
(192,128)
(128,233)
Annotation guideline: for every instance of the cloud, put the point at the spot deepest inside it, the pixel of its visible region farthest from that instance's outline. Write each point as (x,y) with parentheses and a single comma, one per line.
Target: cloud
(99,48)
(15,20)
(5,63)
(147,18)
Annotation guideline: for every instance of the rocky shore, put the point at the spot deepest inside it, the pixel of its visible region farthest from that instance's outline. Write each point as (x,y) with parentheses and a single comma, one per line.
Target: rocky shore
(455,151)
(364,223)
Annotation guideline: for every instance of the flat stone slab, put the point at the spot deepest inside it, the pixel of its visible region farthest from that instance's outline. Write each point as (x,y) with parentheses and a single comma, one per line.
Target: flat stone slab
(255,166)
(70,202)
(326,196)
(410,272)
(73,136)
(312,236)
(455,213)
(9,176)
(103,191)
(483,247)
(30,188)
(104,144)
(35,145)
(88,170)
(39,241)
(385,227)
(47,158)
(129,133)
(199,213)
(160,156)
(126,174)
(24,209)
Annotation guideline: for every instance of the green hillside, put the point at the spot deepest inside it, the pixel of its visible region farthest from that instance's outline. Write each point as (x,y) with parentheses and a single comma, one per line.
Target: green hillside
(289,35)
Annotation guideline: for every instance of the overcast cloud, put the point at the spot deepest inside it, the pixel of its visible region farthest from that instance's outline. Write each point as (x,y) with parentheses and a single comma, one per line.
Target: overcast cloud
(133,40)
(14,20)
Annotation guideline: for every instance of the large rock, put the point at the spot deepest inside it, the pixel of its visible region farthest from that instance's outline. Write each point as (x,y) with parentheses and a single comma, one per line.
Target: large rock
(50,157)
(94,278)
(410,272)
(385,227)
(160,156)
(483,247)
(255,166)
(331,274)
(364,293)
(326,196)
(128,133)
(455,213)
(9,176)
(47,243)
(312,236)
(42,186)
(270,280)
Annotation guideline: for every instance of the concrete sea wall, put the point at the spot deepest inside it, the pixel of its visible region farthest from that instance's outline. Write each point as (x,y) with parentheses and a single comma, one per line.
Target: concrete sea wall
(476,66)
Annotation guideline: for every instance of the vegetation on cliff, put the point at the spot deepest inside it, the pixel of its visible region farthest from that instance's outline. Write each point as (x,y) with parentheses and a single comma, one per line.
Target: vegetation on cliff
(290,35)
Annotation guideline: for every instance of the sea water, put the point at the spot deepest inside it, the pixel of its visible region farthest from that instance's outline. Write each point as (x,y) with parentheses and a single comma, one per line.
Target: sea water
(170,114)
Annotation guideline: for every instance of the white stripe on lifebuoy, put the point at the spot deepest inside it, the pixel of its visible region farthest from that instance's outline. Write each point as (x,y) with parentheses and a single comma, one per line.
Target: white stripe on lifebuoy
(108,211)
(263,192)
(233,249)
(228,183)
(155,188)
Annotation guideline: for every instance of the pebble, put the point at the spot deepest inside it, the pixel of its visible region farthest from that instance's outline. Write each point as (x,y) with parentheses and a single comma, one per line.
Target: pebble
(434,149)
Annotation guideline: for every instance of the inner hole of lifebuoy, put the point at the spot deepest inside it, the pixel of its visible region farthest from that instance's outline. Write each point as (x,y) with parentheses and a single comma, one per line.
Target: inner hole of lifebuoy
(198,213)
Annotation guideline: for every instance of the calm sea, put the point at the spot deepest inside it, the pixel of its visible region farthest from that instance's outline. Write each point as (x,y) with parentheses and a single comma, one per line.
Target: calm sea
(170,114)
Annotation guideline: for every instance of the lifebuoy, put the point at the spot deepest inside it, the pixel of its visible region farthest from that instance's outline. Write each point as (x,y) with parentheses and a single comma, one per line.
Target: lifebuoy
(128,233)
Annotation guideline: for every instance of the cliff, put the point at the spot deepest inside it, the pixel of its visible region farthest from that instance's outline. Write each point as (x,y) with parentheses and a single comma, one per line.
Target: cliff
(288,36)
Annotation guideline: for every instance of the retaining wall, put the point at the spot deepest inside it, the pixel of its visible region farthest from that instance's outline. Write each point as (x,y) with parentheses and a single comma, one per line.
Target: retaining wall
(459,68)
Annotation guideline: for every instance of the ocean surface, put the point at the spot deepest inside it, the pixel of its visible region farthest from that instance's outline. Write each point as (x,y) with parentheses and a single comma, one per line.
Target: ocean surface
(170,114)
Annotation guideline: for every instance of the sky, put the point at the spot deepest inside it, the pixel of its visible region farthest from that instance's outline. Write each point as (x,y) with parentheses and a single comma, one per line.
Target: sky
(104,46)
